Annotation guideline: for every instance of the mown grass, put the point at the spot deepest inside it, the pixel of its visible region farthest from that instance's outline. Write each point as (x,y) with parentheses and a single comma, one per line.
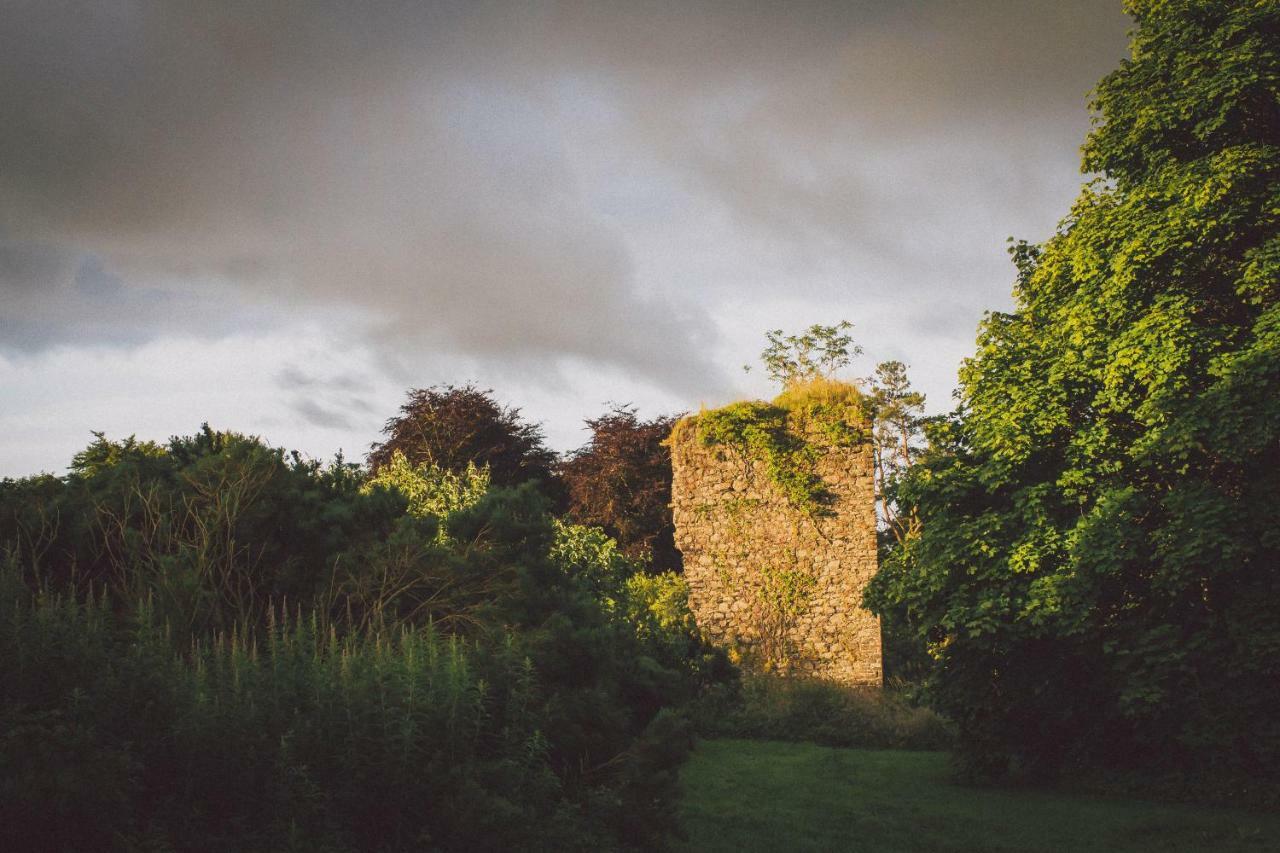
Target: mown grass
(745,796)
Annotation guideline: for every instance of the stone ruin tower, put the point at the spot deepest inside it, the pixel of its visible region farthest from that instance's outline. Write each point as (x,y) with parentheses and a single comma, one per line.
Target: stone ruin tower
(779,583)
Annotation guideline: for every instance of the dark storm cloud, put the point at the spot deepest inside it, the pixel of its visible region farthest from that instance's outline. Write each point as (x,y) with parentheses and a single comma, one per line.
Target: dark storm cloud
(436,167)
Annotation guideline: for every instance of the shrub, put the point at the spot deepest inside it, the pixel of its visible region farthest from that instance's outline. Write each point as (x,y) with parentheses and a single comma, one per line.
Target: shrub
(772,707)
(381,680)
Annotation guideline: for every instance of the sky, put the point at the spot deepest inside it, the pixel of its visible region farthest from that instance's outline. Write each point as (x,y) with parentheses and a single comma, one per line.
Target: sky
(278,216)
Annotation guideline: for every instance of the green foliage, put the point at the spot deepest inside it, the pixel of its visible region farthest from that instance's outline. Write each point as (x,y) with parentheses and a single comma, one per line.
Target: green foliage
(781,596)
(659,605)
(431,491)
(291,738)
(591,555)
(211,528)
(772,707)
(320,668)
(103,454)
(816,353)
(1096,568)
(781,435)
(759,431)
(655,607)
(898,413)
(786,590)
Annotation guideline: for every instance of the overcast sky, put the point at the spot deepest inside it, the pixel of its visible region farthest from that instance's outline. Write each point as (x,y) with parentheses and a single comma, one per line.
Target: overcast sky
(278,216)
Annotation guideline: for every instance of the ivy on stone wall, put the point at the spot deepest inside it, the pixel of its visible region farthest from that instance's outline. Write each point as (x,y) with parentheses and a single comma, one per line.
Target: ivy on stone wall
(780,435)
(784,594)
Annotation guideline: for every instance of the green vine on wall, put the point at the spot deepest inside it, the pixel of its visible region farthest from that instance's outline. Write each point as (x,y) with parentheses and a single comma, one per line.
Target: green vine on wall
(774,434)
(760,431)
(783,595)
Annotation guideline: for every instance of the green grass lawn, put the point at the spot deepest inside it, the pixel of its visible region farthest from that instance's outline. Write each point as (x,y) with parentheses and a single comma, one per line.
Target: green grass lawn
(764,795)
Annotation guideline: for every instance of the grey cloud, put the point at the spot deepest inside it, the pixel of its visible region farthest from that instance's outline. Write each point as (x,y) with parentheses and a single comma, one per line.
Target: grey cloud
(321,416)
(52,296)
(435,167)
(26,266)
(324,399)
(292,377)
(943,319)
(387,159)
(934,122)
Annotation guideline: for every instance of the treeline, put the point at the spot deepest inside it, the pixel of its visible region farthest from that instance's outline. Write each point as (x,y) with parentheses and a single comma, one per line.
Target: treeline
(1094,556)
(214,644)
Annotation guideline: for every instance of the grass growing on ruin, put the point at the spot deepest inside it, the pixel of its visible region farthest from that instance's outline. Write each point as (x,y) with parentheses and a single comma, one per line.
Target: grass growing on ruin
(826,392)
(779,434)
(744,796)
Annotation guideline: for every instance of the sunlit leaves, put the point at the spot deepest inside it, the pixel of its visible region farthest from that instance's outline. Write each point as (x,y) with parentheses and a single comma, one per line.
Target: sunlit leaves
(1099,532)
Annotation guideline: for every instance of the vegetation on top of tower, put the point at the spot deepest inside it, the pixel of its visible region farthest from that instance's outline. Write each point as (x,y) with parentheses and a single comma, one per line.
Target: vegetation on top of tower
(813,411)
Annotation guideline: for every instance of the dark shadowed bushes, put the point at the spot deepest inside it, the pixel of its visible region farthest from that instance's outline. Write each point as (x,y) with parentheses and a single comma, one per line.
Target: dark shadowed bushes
(776,708)
(217,646)
(287,738)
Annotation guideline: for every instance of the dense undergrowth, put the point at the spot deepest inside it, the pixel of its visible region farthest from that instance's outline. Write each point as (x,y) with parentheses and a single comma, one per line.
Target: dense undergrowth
(212,645)
(771,707)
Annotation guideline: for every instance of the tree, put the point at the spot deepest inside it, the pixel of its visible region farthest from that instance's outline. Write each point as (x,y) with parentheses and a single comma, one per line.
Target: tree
(1098,562)
(451,427)
(899,415)
(431,491)
(621,481)
(816,353)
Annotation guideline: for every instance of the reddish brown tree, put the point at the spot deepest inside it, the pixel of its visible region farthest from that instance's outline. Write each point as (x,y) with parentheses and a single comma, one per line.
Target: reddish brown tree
(449,426)
(621,481)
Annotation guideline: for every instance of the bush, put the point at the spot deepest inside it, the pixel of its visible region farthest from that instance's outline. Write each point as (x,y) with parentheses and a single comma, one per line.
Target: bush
(300,737)
(772,707)
(339,673)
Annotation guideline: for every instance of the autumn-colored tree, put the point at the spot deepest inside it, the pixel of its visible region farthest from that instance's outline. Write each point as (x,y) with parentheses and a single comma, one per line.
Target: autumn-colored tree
(621,481)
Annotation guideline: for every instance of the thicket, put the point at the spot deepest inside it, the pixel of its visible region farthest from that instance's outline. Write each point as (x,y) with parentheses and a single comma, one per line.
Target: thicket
(772,707)
(1097,563)
(217,645)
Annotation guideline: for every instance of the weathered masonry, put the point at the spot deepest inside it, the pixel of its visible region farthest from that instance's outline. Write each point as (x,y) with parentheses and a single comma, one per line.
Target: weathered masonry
(778,581)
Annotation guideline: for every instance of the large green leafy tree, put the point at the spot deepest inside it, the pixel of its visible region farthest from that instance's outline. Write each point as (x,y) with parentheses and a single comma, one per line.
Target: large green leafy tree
(1098,563)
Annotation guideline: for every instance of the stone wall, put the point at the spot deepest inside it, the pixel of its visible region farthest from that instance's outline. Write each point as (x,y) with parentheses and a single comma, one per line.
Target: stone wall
(781,585)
